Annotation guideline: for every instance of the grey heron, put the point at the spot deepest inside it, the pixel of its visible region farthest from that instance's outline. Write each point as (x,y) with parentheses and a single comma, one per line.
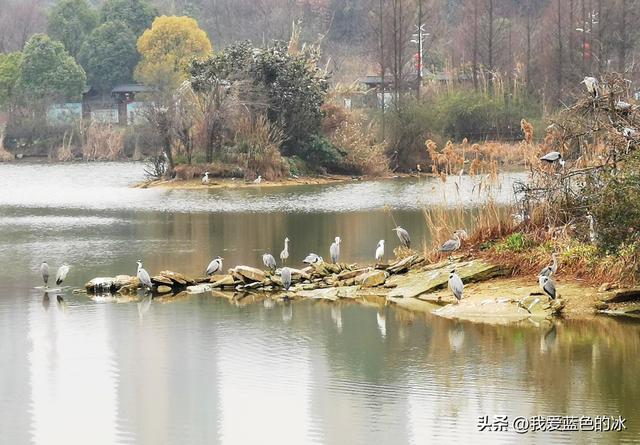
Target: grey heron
(456,285)
(285,274)
(592,230)
(550,270)
(205,178)
(214,266)
(44,271)
(62,274)
(592,85)
(623,106)
(548,286)
(143,276)
(334,250)
(552,157)
(403,236)
(269,261)
(285,252)
(453,244)
(312,258)
(258,180)
(380,251)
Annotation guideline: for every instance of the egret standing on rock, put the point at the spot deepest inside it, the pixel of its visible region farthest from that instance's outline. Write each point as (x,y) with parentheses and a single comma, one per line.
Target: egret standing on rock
(285,274)
(592,85)
(205,178)
(456,285)
(62,274)
(551,269)
(143,276)
(44,270)
(285,252)
(214,266)
(548,286)
(334,250)
(269,261)
(403,236)
(552,157)
(380,251)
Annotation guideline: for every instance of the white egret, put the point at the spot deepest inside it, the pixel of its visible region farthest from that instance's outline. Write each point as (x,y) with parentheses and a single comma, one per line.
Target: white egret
(334,250)
(285,252)
(380,251)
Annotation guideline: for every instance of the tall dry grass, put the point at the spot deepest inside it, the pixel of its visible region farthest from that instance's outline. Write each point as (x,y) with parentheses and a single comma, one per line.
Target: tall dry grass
(103,142)
(64,153)
(5,156)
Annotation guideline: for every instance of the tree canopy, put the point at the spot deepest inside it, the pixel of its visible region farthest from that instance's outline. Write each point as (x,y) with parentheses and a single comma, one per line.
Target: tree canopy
(48,71)
(109,55)
(70,22)
(9,75)
(167,48)
(136,14)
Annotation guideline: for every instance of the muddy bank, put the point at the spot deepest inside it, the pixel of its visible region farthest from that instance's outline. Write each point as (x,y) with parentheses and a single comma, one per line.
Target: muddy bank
(221,183)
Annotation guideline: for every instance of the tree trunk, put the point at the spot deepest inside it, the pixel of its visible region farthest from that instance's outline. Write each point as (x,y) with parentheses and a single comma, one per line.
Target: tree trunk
(622,47)
(559,66)
(475,45)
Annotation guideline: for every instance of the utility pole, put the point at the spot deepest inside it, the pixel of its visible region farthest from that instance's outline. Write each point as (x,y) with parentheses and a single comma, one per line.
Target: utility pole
(419,49)
(382,64)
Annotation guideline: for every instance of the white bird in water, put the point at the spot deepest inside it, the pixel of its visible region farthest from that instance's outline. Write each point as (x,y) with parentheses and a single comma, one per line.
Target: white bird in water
(403,236)
(548,286)
(551,269)
(143,276)
(62,274)
(205,178)
(334,250)
(592,85)
(456,285)
(44,271)
(285,274)
(380,251)
(285,252)
(312,258)
(214,266)
(269,261)
(258,180)
(552,157)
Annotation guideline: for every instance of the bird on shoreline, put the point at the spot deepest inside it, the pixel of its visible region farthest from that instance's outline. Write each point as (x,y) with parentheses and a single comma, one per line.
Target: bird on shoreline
(334,250)
(453,244)
(44,271)
(285,252)
(403,236)
(550,270)
(143,276)
(312,258)
(205,178)
(552,157)
(258,180)
(269,261)
(456,285)
(592,85)
(285,274)
(214,266)
(548,286)
(62,273)
(380,251)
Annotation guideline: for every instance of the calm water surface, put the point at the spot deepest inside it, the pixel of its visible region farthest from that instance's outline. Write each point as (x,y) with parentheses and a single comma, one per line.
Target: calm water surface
(201,369)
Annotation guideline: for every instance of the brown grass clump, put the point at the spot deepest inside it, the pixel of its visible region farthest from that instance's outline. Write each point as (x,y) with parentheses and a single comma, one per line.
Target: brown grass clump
(64,153)
(363,154)
(5,156)
(527,129)
(103,142)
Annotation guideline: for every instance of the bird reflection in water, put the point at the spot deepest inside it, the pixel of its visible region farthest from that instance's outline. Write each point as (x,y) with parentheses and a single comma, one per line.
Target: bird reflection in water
(268,303)
(144,305)
(61,304)
(381,318)
(46,301)
(336,316)
(456,337)
(549,339)
(287,311)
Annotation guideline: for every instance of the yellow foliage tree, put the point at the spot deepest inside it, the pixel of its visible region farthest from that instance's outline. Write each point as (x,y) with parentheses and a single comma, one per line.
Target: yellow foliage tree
(167,48)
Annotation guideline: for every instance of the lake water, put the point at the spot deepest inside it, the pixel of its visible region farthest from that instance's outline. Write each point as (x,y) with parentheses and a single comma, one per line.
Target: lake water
(202,369)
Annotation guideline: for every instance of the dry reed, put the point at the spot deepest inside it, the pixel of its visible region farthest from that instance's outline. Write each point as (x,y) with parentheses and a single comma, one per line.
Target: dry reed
(103,142)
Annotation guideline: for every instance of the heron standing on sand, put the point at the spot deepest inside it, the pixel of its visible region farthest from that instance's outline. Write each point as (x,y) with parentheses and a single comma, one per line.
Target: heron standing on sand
(143,276)
(62,274)
(214,266)
(285,274)
(403,236)
(44,271)
(551,269)
(548,286)
(380,251)
(334,250)
(285,252)
(269,261)
(456,285)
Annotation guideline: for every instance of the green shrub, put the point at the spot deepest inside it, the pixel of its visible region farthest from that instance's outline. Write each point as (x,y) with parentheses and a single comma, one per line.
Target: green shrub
(516,242)
(320,153)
